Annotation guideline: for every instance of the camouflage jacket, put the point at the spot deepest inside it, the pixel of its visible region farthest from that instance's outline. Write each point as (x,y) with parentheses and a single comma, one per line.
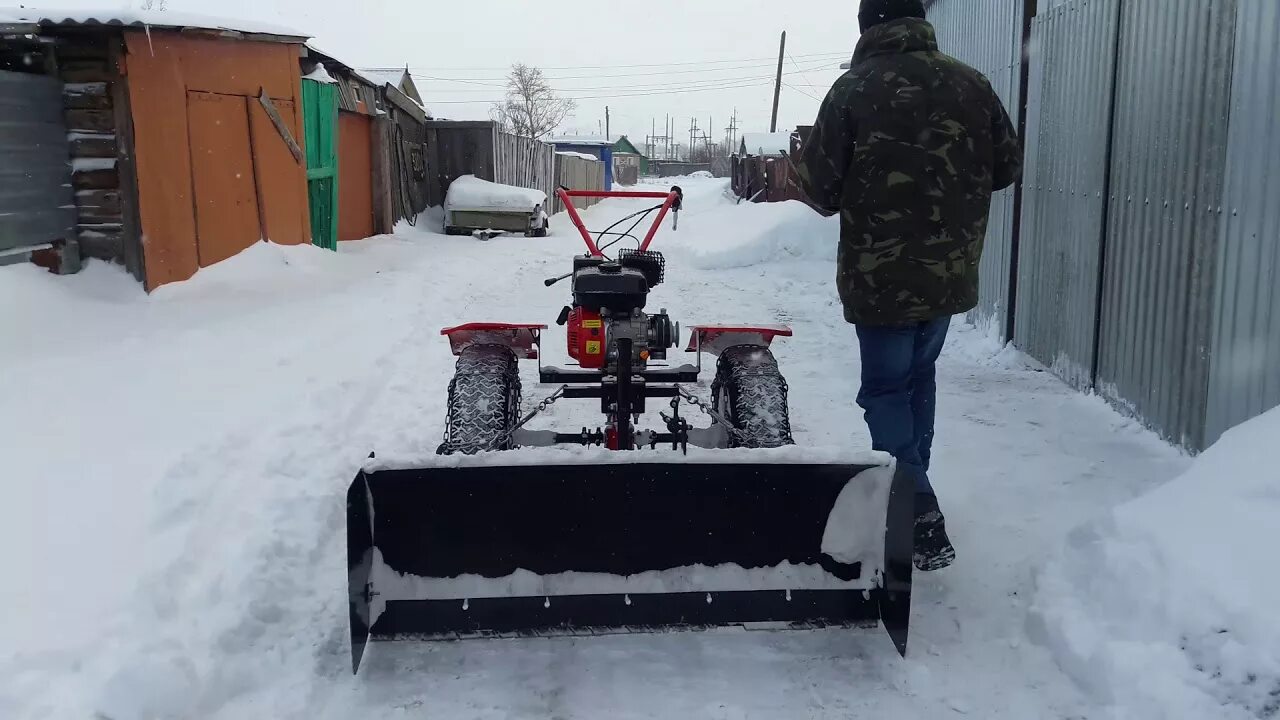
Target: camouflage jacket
(908,147)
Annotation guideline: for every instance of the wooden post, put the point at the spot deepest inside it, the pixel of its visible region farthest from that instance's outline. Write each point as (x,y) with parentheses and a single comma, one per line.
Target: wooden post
(281,128)
(384,218)
(777,86)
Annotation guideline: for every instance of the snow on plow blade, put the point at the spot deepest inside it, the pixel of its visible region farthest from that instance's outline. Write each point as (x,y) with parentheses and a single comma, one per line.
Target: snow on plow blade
(482,551)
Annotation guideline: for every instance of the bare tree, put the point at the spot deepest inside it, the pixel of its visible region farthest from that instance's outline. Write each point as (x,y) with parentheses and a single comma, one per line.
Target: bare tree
(531,109)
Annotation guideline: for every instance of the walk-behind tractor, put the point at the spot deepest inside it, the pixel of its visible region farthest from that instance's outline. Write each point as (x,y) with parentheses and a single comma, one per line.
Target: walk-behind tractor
(632,531)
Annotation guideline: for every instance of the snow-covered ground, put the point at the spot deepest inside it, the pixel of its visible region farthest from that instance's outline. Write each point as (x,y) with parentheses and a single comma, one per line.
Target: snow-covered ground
(176,467)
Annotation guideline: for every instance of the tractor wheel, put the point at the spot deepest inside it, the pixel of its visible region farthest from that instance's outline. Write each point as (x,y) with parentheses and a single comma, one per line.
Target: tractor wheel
(751,393)
(484,401)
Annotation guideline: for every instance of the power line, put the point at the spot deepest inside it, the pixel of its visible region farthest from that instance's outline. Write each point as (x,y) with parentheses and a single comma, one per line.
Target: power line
(690,84)
(802,92)
(603,97)
(803,76)
(501,81)
(607,67)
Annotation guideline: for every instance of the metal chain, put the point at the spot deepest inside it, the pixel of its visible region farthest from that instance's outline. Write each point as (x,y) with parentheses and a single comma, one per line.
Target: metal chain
(542,405)
(707,410)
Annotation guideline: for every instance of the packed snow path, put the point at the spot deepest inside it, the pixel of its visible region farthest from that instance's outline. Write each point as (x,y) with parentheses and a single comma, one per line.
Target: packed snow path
(176,468)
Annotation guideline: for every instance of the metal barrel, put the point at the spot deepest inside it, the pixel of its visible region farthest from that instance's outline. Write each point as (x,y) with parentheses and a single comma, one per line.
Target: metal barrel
(449,552)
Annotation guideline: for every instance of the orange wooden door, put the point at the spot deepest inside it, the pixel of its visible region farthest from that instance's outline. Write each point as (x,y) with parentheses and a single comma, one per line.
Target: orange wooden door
(355,177)
(226,197)
(282,180)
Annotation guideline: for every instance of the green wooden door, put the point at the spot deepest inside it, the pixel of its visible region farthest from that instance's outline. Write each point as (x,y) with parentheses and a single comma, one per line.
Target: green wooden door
(320,116)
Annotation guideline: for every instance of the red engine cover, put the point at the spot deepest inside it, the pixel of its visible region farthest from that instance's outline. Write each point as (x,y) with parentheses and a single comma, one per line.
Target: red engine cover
(586,338)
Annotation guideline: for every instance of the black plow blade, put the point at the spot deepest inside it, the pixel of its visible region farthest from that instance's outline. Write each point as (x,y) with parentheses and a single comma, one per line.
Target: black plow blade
(518,550)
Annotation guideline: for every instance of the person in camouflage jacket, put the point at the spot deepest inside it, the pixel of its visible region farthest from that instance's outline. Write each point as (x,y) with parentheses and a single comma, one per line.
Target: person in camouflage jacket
(908,147)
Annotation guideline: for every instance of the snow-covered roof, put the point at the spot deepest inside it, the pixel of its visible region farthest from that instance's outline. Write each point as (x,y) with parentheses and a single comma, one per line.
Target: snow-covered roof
(778,143)
(381,77)
(580,140)
(319,74)
(52,17)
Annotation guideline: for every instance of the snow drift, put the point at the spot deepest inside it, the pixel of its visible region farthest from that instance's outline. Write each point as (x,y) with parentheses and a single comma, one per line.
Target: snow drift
(1167,606)
(750,234)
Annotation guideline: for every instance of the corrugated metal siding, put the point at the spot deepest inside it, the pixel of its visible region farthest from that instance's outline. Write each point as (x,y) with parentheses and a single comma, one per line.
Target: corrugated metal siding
(1245,366)
(1167,179)
(987,35)
(36,204)
(1060,249)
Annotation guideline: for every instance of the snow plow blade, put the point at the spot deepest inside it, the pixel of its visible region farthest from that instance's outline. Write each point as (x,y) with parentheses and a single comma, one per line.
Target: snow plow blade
(446,553)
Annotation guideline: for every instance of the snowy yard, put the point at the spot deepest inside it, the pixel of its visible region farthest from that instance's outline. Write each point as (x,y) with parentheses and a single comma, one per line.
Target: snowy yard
(176,467)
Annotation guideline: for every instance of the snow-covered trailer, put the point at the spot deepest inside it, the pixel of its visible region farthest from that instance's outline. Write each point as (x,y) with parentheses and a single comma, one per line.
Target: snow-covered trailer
(482,149)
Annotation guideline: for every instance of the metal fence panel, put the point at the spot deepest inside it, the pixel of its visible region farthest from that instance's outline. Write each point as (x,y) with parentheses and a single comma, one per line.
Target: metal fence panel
(1069,109)
(36,204)
(1245,365)
(1163,221)
(987,35)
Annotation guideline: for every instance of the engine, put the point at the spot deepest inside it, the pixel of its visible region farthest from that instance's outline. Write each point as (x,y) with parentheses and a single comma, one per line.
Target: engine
(593,336)
(609,298)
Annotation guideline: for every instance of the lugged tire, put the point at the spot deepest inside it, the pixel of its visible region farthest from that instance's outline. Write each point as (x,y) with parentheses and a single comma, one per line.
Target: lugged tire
(752,394)
(484,401)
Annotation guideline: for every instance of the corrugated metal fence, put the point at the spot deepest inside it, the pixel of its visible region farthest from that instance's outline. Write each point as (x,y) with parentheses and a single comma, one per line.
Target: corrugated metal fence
(1170,126)
(987,34)
(1147,260)
(1065,184)
(36,205)
(1244,376)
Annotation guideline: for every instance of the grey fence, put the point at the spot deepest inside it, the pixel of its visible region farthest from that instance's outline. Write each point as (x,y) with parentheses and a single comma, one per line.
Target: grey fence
(36,204)
(1147,263)
(1244,373)
(987,34)
(1070,94)
(578,173)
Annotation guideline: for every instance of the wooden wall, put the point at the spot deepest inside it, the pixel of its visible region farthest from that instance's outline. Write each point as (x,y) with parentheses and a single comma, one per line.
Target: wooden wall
(100,132)
(245,184)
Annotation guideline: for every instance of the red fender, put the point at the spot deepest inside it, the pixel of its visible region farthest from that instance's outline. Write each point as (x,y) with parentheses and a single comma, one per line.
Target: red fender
(712,339)
(522,338)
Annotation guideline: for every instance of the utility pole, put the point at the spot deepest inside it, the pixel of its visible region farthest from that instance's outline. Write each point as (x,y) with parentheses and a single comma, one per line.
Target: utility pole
(731,133)
(777,86)
(606,123)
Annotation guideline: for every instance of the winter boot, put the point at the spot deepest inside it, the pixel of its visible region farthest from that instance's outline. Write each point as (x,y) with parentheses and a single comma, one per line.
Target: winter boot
(933,549)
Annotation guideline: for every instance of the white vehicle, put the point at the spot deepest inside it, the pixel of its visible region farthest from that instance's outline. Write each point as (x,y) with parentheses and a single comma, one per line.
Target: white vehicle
(486,209)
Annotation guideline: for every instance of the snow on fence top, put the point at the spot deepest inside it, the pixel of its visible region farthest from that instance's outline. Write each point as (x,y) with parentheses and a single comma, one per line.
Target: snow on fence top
(470,192)
(767,143)
(140,18)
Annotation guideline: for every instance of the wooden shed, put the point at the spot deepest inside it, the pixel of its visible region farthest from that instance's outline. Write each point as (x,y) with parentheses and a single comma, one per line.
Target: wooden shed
(185,136)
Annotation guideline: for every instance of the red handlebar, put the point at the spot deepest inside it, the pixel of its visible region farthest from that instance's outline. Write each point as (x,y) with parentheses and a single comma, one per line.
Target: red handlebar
(565,196)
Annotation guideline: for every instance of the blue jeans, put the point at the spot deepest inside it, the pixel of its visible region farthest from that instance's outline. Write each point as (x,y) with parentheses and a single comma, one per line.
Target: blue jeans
(899,391)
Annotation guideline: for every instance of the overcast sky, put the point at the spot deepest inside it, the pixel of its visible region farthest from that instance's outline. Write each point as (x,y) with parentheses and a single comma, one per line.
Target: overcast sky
(720,54)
